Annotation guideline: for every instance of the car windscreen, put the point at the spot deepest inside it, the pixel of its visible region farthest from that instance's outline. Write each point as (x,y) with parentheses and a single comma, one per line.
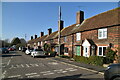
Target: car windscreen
(38,50)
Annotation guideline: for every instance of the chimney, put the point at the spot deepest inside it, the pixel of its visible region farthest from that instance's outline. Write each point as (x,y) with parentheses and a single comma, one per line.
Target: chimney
(31,37)
(79,17)
(41,34)
(35,36)
(49,31)
(61,24)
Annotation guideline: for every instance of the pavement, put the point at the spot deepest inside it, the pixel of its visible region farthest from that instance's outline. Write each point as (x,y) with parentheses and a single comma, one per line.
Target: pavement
(89,67)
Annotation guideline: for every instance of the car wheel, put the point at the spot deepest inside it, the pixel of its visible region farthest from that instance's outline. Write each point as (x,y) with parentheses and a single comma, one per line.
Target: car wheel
(116,78)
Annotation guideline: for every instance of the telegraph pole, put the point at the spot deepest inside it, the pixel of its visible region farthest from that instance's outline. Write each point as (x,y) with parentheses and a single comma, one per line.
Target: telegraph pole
(59,33)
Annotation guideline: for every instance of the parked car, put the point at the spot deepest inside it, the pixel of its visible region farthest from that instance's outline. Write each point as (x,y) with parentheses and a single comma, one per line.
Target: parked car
(112,72)
(28,51)
(37,52)
(4,50)
(24,49)
(11,49)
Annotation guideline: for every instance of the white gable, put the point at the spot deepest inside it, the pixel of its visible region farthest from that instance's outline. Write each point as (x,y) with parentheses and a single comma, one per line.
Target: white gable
(86,43)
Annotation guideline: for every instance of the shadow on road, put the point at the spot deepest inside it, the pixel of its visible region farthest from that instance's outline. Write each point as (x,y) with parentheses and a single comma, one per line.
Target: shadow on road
(9,55)
(72,77)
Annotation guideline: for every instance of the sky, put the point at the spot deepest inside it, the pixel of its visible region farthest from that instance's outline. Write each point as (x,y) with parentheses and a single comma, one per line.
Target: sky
(30,18)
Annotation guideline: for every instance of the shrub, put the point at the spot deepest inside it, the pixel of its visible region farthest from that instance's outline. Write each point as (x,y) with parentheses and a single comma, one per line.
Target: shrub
(96,60)
(110,56)
(81,59)
(64,56)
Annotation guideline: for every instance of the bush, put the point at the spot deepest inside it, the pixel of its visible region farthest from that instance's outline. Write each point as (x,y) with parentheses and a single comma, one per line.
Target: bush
(110,56)
(64,56)
(94,60)
(81,59)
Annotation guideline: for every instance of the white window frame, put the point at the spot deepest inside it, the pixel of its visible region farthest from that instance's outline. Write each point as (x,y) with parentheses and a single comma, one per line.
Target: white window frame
(102,33)
(102,50)
(78,36)
(65,39)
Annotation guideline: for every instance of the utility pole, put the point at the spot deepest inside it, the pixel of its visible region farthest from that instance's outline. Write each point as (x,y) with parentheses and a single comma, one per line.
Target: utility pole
(59,33)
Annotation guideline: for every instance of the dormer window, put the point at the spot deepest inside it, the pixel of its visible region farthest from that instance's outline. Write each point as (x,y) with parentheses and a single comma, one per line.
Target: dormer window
(102,33)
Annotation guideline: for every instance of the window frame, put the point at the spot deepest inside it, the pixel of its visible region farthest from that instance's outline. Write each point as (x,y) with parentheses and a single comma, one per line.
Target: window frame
(78,36)
(102,50)
(103,32)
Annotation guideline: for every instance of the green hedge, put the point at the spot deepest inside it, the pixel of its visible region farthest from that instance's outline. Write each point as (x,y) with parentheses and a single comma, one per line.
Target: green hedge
(94,60)
(64,56)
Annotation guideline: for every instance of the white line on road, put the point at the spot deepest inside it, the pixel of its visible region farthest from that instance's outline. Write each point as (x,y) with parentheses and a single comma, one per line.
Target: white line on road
(33,76)
(27,65)
(45,72)
(58,70)
(14,76)
(22,65)
(30,74)
(36,65)
(73,70)
(62,72)
(68,68)
(48,73)
(8,62)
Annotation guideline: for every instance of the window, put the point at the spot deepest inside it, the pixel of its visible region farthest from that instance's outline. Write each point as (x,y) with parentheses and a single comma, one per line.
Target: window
(78,36)
(102,33)
(65,39)
(101,50)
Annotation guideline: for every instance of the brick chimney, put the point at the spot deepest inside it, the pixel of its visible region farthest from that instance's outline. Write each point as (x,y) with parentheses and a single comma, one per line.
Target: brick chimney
(35,36)
(79,17)
(49,31)
(41,34)
(61,24)
(31,37)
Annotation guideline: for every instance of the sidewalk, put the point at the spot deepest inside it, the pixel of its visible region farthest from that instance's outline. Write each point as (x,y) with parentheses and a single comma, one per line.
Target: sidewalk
(87,66)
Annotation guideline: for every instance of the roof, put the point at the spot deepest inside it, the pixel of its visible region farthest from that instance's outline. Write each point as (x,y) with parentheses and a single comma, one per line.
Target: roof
(102,20)
(68,30)
(52,35)
(31,41)
(40,38)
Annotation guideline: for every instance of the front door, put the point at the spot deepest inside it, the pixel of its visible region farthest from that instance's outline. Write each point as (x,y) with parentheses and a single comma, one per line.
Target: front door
(86,51)
(78,52)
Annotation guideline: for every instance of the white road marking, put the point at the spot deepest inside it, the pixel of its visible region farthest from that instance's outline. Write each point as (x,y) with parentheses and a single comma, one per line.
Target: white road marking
(62,72)
(27,65)
(17,66)
(48,73)
(4,72)
(14,76)
(36,65)
(22,65)
(68,68)
(33,76)
(30,74)
(82,68)
(58,70)
(45,72)
(73,70)
(8,62)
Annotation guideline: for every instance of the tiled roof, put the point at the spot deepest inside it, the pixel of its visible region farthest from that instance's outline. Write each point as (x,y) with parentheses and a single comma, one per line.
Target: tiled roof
(52,35)
(68,30)
(40,38)
(31,41)
(105,19)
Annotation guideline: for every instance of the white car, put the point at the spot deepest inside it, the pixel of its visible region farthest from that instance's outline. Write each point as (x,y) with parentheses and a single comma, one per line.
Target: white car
(28,51)
(37,53)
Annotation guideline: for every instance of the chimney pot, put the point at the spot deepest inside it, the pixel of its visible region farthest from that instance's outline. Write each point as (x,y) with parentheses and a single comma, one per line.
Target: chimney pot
(41,34)
(31,37)
(35,36)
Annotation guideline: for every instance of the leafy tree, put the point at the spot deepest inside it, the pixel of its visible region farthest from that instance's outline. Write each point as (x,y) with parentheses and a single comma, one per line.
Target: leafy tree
(15,41)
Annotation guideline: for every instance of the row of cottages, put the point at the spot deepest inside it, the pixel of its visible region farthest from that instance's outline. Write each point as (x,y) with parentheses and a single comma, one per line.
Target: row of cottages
(86,37)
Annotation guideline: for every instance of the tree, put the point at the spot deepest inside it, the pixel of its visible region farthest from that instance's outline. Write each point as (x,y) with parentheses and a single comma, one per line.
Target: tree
(15,41)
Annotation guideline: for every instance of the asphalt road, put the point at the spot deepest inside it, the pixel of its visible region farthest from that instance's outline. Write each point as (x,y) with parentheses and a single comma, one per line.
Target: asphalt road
(16,65)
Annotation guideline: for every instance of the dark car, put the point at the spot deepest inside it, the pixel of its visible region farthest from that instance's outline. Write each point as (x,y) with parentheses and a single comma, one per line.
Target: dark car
(11,49)
(112,72)
(24,49)
(4,50)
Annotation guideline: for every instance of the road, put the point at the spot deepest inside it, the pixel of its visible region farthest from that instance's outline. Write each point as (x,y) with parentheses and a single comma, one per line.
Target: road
(16,65)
